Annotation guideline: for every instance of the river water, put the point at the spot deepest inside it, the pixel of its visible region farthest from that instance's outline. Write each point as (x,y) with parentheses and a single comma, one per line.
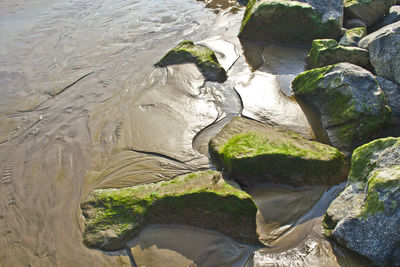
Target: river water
(82,107)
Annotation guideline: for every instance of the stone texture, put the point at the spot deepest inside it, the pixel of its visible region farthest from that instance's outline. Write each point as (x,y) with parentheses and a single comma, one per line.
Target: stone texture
(289,21)
(328,51)
(253,152)
(392,93)
(353,36)
(369,11)
(354,23)
(365,216)
(384,46)
(392,17)
(351,105)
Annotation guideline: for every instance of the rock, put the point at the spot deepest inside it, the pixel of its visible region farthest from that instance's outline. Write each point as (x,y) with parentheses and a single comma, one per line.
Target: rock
(365,216)
(253,152)
(351,105)
(353,36)
(383,46)
(203,199)
(328,51)
(392,17)
(204,58)
(288,21)
(354,23)
(369,11)
(392,93)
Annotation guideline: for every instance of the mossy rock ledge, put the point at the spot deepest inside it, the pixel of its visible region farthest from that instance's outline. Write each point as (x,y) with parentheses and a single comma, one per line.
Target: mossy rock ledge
(204,58)
(352,107)
(327,52)
(365,217)
(353,36)
(288,21)
(252,152)
(202,199)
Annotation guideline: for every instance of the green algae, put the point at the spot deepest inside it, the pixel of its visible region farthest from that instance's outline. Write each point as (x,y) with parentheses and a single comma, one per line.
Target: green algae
(328,52)
(307,83)
(201,199)
(361,163)
(204,58)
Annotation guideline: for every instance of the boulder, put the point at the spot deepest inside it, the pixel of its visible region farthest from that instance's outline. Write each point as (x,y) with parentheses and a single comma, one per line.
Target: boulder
(328,51)
(351,105)
(353,36)
(204,58)
(365,216)
(384,46)
(289,21)
(253,152)
(369,11)
(203,199)
(392,17)
(392,93)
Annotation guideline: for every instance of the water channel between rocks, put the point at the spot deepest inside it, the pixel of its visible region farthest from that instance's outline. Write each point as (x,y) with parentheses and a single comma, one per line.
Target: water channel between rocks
(84,108)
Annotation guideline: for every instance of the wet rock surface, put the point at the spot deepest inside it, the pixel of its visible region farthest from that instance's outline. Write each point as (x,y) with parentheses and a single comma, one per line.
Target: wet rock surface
(296,22)
(351,105)
(202,199)
(383,46)
(328,51)
(365,216)
(251,151)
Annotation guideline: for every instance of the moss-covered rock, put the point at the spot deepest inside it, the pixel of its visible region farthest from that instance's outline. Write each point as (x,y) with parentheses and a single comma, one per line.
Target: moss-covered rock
(291,21)
(254,152)
(365,216)
(369,11)
(351,105)
(203,199)
(327,52)
(204,58)
(353,36)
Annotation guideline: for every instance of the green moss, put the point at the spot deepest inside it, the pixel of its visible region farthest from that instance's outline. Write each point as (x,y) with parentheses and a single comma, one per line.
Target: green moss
(204,58)
(348,3)
(361,163)
(307,83)
(179,201)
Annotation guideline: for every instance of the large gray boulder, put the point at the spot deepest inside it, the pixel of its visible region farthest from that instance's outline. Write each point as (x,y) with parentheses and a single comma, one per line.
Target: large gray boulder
(384,46)
(351,105)
(291,21)
(365,216)
(369,11)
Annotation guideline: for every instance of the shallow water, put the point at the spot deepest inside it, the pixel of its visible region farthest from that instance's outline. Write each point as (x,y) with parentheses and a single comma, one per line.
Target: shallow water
(83,107)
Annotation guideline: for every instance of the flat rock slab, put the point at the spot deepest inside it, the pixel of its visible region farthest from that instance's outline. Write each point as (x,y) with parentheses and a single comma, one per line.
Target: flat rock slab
(253,152)
(202,199)
(351,105)
(384,46)
(288,21)
(365,216)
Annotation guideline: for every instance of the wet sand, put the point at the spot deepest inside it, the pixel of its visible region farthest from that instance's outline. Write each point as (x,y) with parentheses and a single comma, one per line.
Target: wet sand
(84,108)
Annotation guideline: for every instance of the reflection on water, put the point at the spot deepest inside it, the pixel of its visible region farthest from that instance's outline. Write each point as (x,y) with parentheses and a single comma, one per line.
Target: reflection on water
(232,6)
